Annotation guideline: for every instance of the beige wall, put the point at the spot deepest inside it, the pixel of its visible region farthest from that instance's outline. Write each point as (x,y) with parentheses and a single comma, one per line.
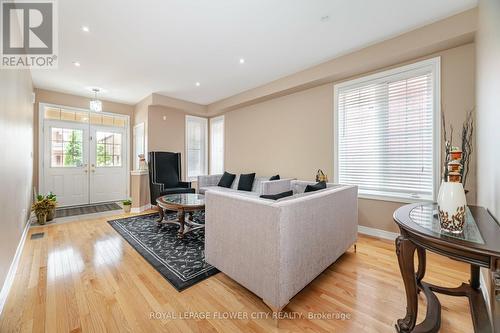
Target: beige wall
(52,97)
(168,134)
(488,105)
(293,134)
(16,164)
(290,135)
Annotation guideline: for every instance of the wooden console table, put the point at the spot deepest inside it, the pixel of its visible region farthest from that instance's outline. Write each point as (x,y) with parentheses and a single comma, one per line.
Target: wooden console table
(478,245)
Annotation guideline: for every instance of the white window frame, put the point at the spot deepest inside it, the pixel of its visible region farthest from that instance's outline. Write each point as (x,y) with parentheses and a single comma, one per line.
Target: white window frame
(139,128)
(204,121)
(212,120)
(434,64)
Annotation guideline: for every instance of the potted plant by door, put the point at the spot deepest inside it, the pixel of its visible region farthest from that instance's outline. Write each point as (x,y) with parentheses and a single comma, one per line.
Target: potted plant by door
(42,208)
(52,197)
(127,204)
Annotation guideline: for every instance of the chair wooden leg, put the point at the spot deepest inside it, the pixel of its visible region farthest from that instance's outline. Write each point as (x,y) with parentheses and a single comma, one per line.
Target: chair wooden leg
(355,248)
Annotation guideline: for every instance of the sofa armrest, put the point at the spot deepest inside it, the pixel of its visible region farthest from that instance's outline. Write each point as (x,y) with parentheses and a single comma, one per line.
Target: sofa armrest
(208,180)
(276,186)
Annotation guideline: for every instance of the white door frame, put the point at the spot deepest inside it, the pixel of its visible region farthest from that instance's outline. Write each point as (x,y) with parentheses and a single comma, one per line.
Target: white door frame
(41,150)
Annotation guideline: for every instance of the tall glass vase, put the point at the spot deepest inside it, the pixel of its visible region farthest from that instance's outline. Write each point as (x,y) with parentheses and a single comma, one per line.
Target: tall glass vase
(451,206)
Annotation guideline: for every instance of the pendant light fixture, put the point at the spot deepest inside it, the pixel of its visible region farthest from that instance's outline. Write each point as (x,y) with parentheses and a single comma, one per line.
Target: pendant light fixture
(95,104)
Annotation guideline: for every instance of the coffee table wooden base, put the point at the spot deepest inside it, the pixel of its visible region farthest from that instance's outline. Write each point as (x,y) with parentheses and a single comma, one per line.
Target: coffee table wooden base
(186,223)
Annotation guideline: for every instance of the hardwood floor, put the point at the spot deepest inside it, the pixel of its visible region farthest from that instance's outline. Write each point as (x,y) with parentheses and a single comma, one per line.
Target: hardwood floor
(83,277)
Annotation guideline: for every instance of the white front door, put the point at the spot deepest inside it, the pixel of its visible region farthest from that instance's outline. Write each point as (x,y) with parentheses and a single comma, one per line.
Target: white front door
(108,173)
(83,162)
(65,162)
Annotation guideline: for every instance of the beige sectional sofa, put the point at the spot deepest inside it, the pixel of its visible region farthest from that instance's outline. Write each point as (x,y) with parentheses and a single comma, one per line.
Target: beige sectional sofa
(276,248)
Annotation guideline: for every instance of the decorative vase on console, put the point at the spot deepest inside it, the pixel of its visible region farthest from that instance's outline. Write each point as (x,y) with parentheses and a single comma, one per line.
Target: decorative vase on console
(451,207)
(452,203)
(451,197)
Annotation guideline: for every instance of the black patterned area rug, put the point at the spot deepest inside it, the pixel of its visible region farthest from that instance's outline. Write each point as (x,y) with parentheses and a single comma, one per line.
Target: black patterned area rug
(180,261)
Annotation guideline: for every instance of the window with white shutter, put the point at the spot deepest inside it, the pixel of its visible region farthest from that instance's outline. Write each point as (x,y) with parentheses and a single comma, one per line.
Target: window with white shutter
(217,145)
(387,132)
(196,147)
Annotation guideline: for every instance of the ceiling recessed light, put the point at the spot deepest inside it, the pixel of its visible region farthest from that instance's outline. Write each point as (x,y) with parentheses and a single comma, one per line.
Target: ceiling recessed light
(85,28)
(197,84)
(242,61)
(76,63)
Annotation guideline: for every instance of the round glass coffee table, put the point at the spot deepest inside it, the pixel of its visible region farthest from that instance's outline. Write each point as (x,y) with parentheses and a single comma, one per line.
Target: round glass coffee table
(181,203)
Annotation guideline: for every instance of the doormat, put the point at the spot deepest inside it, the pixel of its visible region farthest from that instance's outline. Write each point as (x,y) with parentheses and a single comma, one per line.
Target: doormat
(97,208)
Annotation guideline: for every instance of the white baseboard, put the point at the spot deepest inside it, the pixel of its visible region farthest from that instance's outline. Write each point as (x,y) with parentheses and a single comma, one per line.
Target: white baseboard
(13,268)
(140,209)
(377,233)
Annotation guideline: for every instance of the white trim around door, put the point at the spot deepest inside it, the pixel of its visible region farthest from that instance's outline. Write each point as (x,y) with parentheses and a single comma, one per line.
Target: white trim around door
(125,149)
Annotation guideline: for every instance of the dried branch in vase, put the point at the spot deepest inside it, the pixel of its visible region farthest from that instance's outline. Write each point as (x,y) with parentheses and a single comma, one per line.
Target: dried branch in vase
(467,144)
(457,158)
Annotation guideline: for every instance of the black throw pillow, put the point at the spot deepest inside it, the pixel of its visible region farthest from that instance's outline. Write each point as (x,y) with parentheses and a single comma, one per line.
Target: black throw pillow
(277,196)
(246,182)
(315,187)
(226,180)
(277,177)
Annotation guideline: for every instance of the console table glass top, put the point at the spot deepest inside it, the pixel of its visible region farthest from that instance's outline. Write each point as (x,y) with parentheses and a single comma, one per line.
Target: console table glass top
(425,215)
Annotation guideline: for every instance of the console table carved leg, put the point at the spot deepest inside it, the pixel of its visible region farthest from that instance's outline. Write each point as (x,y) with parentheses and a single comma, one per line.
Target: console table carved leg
(421,266)
(474,277)
(405,250)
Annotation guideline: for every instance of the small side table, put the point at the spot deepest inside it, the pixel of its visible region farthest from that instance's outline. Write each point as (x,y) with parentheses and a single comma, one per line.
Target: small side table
(478,245)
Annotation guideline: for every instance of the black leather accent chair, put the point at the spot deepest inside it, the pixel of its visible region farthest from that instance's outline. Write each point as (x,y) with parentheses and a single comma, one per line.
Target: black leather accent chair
(165,175)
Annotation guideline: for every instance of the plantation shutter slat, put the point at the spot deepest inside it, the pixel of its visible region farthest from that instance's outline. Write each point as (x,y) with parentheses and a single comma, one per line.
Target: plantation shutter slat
(385,135)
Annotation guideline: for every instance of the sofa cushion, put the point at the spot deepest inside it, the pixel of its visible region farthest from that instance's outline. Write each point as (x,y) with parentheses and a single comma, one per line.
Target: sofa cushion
(226,180)
(315,187)
(245,182)
(277,196)
(277,177)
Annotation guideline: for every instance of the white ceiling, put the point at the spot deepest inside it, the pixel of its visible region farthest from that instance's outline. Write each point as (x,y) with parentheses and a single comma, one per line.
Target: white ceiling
(135,48)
